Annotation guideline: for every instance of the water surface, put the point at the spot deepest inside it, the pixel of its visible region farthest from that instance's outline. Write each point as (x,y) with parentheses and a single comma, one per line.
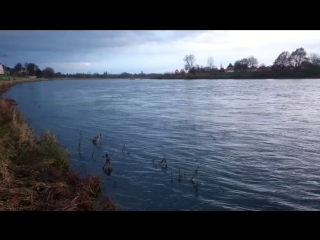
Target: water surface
(256,142)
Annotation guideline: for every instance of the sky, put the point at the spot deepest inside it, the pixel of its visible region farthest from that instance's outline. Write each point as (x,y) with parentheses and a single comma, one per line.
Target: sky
(150,51)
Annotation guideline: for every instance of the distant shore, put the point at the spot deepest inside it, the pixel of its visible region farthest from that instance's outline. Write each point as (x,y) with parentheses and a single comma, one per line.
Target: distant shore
(270,74)
(313,73)
(34,170)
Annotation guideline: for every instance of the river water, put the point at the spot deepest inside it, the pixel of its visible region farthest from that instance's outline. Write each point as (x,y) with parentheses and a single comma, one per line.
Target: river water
(256,142)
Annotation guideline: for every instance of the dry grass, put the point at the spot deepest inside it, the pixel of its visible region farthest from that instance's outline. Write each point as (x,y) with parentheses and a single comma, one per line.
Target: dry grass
(34,170)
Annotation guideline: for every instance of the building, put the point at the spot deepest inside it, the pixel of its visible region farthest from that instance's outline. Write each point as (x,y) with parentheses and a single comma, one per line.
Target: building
(1,69)
(230,69)
(253,69)
(23,70)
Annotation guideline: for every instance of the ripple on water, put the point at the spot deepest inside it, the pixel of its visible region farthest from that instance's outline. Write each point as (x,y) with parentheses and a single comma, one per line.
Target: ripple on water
(256,142)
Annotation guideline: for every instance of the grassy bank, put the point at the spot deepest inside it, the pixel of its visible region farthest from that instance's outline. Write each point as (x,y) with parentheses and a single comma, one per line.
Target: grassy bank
(34,169)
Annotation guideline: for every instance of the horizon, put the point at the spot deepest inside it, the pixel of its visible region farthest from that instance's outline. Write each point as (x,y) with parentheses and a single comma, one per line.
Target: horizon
(150,51)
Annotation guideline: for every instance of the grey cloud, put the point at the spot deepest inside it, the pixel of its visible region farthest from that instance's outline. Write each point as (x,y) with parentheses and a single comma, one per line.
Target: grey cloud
(82,41)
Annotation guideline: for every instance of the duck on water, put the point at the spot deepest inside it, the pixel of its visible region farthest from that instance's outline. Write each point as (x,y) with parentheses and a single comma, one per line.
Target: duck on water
(96,139)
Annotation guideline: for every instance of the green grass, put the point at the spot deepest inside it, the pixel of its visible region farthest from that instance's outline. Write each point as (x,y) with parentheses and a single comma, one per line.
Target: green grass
(52,151)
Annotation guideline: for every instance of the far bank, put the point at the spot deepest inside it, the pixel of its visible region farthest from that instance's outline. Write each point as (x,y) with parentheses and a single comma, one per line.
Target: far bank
(258,75)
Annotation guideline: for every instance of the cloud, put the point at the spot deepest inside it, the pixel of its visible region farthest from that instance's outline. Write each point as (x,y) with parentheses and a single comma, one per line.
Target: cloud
(82,41)
(69,64)
(134,50)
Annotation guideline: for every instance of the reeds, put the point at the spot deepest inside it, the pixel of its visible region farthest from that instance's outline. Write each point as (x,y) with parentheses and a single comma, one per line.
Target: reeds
(34,170)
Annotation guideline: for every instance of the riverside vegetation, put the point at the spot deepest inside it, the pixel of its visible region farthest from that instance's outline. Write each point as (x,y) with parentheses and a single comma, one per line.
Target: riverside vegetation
(34,170)
(295,65)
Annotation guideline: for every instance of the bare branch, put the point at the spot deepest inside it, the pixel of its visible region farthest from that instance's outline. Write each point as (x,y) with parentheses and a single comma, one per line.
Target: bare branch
(252,61)
(297,57)
(210,62)
(314,59)
(189,61)
(283,60)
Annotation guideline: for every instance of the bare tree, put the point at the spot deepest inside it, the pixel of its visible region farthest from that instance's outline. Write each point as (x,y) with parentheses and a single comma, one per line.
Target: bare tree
(210,62)
(262,65)
(252,61)
(189,62)
(297,57)
(314,59)
(283,60)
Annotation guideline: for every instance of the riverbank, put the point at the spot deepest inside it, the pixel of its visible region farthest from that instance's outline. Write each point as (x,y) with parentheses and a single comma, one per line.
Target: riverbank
(272,74)
(34,170)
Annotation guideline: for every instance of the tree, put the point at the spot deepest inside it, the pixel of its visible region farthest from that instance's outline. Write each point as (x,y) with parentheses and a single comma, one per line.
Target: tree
(48,72)
(31,67)
(241,65)
(96,74)
(58,74)
(192,70)
(189,62)
(39,73)
(237,66)
(252,62)
(262,65)
(176,72)
(230,65)
(210,62)
(18,67)
(275,67)
(297,57)
(283,60)
(314,59)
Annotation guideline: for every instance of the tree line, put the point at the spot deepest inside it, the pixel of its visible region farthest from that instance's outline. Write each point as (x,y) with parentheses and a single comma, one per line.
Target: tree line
(32,69)
(294,60)
(104,75)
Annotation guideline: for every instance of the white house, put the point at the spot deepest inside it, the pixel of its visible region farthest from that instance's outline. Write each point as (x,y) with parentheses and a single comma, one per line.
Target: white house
(1,69)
